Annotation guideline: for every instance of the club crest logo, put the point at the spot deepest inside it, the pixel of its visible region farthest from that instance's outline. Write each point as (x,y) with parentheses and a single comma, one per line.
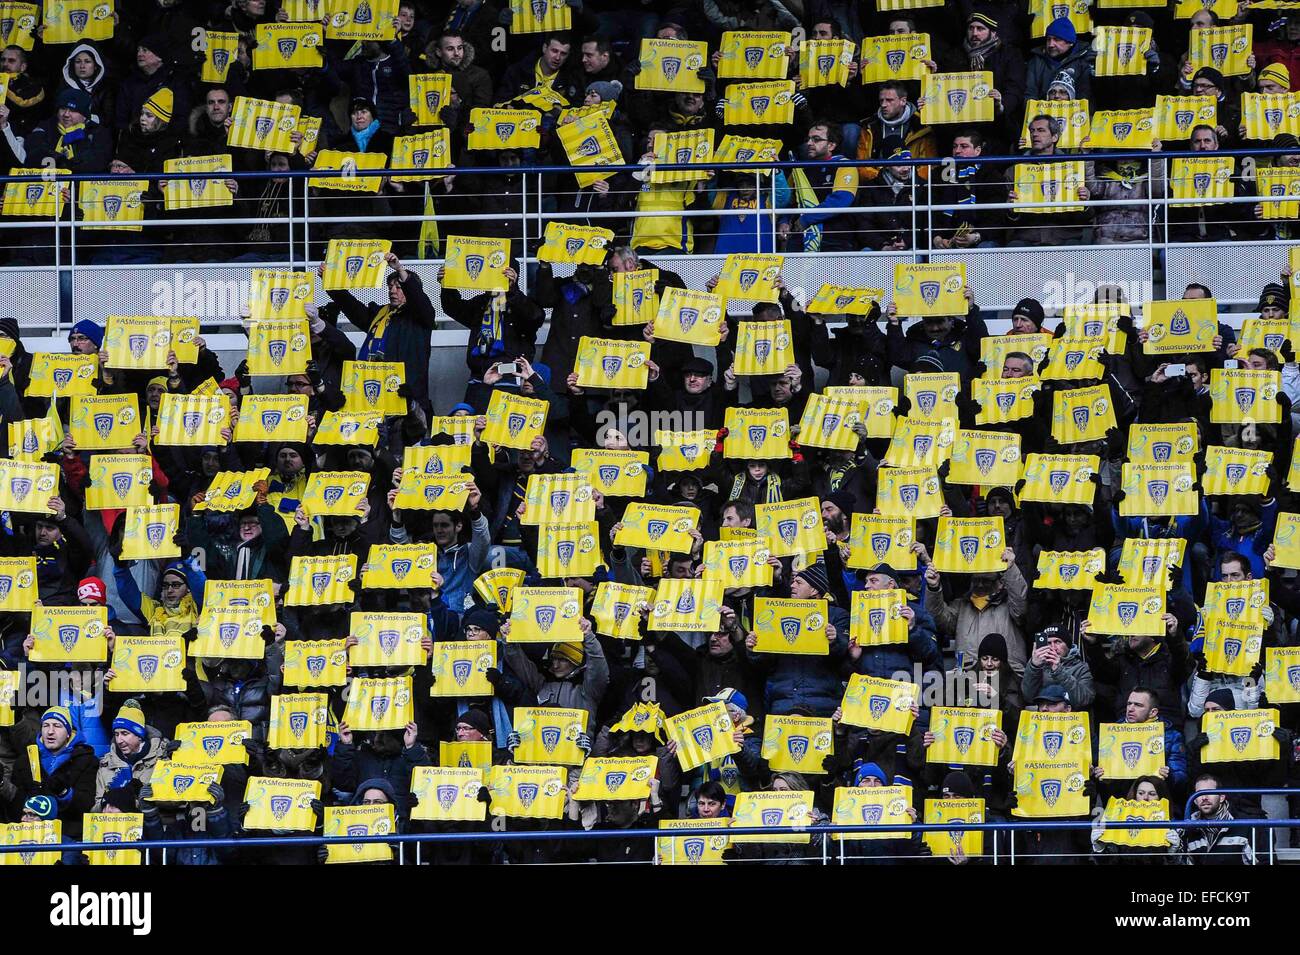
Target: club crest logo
(1158,491)
(103,425)
(969,547)
(1125,52)
(1231,649)
(671,66)
(876,618)
(1058,481)
(984,460)
(1201,183)
(155,532)
(315,665)
(68,637)
(929,292)
(921,444)
(147,666)
(515,423)
(703,736)
(964,737)
(1081,416)
(1068,572)
(687,317)
(1183,118)
(1127,611)
(78,19)
(288,47)
(1051,790)
(112,206)
(826,63)
(957,100)
(686,602)
(880,545)
(220,59)
(790,629)
(298,718)
(797,747)
(908,495)
(878,706)
(656,529)
(1052,743)
(545,617)
(1240,738)
(787,530)
(379,707)
(1130,753)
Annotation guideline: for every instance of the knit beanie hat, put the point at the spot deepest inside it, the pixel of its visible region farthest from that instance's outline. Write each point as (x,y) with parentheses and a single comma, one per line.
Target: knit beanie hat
(161,105)
(1062,29)
(63,715)
(131,718)
(477,719)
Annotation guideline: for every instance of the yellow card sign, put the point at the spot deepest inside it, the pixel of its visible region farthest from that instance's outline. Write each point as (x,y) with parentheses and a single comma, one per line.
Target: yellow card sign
(1202,180)
(933,396)
(113,828)
(387,639)
(1225,49)
(918,442)
(1060,478)
(792,527)
(1127,610)
(589,141)
(315,663)
(1123,129)
(1149,561)
(1265,115)
(952,813)
(970,545)
(298,720)
(1235,471)
(551,498)
(1056,184)
(1282,674)
(1130,750)
(824,63)
(882,705)
(1051,736)
(193,420)
(1004,400)
(396,566)
(335,493)
(738,563)
(881,539)
(1074,359)
(702,735)
(272,418)
(514,421)
(264,124)
(1049,788)
(1162,443)
(877,617)
(757,434)
(104,422)
(687,605)
(476,265)
(658,527)
(912,492)
(1119,811)
(986,458)
(318,580)
(355,263)
(69,635)
(150,532)
(1177,116)
(17,584)
(428,150)
(828,422)
(233,633)
(43,198)
(174,781)
(447,794)
(575,244)
(1071,117)
(1082,414)
(545,615)
(672,66)
(279,296)
(845,300)
(936,289)
(772,810)
(27,486)
(754,55)
(281,804)
(616,609)
(540,16)
(994,350)
(748,150)
(634,297)
(1121,51)
(1240,735)
(568,550)
(797,744)
(790,626)
(148,664)
(691,317)
(278,347)
(897,56)
(549,735)
(1069,570)
(751,277)
(460,668)
(684,450)
(1180,326)
(614,777)
(496,585)
(232,491)
(528,792)
(1232,647)
(963,736)
(754,104)
(379,704)
(429,94)
(136,343)
(957,98)
(198,192)
(613,473)
(374,386)
(504,128)
(349,165)
(362,820)
(216,743)
(1159,490)
(613,363)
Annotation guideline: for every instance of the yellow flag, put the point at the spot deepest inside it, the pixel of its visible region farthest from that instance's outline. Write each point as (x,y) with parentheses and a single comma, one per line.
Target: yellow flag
(113,205)
(589,140)
(1162,443)
(213,743)
(17,584)
(148,664)
(579,245)
(1279,182)
(504,129)
(790,626)
(681,148)
(986,458)
(1045,11)
(298,720)
(1177,116)
(1119,811)
(197,193)
(793,527)
(1130,750)
(738,563)
(1282,674)
(1069,570)
(1071,116)
(616,609)
(568,550)
(514,420)
(335,493)
(1056,182)
(845,300)
(232,491)
(755,104)
(702,735)
(684,450)
(287,46)
(951,813)
(754,55)
(320,580)
(881,539)
(315,663)
(933,396)
(27,486)
(912,492)
(1159,490)
(963,736)
(687,605)
(672,65)
(882,705)
(747,149)
(1060,478)
(957,98)
(613,777)
(994,350)
(936,289)
(69,635)
(1148,562)
(877,617)
(1004,400)
(150,532)
(272,418)
(757,433)
(797,743)
(355,264)
(824,63)
(1123,129)
(1240,735)
(613,473)
(772,810)
(349,164)
(33,438)
(613,363)
(42,198)
(374,386)
(828,422)
(1121,51)
(1225,49)
(1180,326)
(104,422)
(282,804)
(1049,788)
(1051,736)
(635,299)
(658,526)
(448,794)
(18,22)
(398,566)
(527,792)
(898,56)
(1205,179)
(540,16)
(1265,115)
(263,124)
(545,615)
(1127,610)
(920,443)
(1236,470)
(360,820)
(1082,414)
(460,668)
(113,828)
(77,21)
(379,704)
(970,545)
(549,735)
(427,150)
(118,480)
(279,295)
(192,420)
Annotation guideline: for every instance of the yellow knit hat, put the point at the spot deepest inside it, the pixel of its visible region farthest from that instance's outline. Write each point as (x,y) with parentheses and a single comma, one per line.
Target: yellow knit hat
(131,718)
(160,104)
(1278,73)
(572,652)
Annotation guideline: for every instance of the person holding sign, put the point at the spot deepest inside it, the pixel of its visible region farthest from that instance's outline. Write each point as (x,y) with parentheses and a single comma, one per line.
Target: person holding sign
(573,676)
(921,649)
(1143,707)
(994,603)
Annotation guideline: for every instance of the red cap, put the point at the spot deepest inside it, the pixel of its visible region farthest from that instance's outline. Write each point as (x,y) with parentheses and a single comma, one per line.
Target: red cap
(92,588)
(231,384)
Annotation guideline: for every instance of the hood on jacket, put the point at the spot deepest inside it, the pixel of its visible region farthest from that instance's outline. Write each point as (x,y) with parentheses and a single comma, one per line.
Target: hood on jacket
(77,84)
(375,782)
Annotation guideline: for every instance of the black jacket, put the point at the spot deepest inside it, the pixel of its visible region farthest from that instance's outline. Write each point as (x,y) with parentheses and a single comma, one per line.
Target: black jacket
(408,336)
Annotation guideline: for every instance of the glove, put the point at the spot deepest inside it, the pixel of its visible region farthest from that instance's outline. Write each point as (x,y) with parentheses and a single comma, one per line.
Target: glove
(171,746)
(484,794)
(403,390)
(190,635)
(322,853)
(492,675)
(314,375)
(513,741)
(318,807)
(241,372)
(583,743)
(218,795)
(1199,741)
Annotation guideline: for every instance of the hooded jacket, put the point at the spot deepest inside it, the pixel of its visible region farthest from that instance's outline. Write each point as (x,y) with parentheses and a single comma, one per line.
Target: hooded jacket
(67,776)
(583,689)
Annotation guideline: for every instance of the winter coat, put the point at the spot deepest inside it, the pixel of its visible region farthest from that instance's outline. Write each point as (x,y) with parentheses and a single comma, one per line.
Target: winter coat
(102,93)
(581,690)
(1160,671)
(68,776)
(886,662)
(1127,223)
(1043,69)
(961,619)
(115,772)
(355,763)
(407,339)
(812,683)
(1072,675)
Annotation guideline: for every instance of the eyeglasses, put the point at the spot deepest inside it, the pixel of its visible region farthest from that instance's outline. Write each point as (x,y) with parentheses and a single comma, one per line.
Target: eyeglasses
(818,139)
(172,584)
(473,628)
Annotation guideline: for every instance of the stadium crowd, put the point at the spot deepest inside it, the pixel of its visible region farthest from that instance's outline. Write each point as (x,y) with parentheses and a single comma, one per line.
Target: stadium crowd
(1055,449)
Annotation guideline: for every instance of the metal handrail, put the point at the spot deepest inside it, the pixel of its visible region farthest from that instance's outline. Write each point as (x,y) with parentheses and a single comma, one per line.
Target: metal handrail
(1279,791)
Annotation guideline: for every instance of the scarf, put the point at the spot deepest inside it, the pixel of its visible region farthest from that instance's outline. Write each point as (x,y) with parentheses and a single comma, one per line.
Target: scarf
(772,494)
(372,349)
(980,52)
(362,137)
(68,139)
(489,330)
(686,120)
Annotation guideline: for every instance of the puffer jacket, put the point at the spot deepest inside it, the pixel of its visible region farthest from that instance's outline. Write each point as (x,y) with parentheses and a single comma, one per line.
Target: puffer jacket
(1072,675)
(1131,222)
(797,682)
(1043,69)
(959,618)
(888,661)
(138,769)
(584,688)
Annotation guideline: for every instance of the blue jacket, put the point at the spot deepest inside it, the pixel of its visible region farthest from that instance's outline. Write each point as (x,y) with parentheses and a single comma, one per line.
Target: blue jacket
(806,682)
(1223,536)
(1190,527)
(1176,760)
(176,827)
(887,662)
